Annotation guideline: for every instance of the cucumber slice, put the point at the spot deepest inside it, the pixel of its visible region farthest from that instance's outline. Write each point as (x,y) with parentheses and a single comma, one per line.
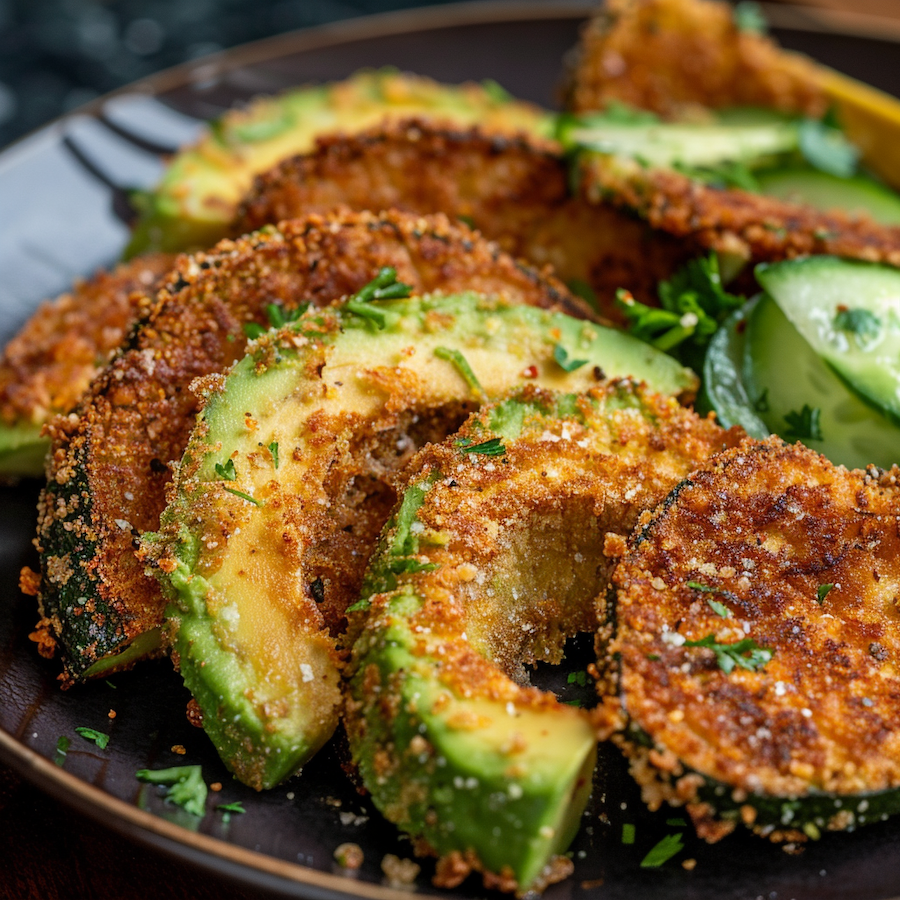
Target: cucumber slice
(782,374)
(824,191)
(849,313)
(724,391)
(670,145)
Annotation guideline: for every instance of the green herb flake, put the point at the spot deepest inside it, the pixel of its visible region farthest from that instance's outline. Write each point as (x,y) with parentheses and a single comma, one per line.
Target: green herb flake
(746,654)
(187,788)
(749,18)
(226,472)
(110,684)
(720,609)
(663,851)
(803,425)
(822,591)
(273,449)
(462,366)
(825,148)
(628,833)
(244,496)
(62,748)
(236,807)
(564,361)
(677,823)
(97,737)
(579,678)
(384,286)
(491,447)
(861,322)
(253,330)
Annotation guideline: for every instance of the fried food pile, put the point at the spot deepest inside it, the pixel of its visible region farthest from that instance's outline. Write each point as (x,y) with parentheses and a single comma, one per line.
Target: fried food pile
(389,442)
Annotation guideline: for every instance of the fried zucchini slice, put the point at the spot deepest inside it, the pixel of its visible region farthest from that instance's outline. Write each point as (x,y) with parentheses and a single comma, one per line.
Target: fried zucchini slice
(49,364)
(492,558)
(193,205)
(513,189)
(287,481)
(109,462)
(756,615)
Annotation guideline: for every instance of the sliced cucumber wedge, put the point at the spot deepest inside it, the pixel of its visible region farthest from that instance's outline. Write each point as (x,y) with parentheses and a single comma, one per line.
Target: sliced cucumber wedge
(673,144)
(849,313)
(783,374)
(824,191)
(724,391)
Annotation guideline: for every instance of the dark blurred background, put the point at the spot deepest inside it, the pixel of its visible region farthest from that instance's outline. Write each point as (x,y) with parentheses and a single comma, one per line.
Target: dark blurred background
(58,54)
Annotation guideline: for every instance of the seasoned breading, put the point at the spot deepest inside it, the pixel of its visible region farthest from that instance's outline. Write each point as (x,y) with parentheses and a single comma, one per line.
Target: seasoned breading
(48,365)
(733,221)
(110,460)
(515,190)
(671,55)
(770,544)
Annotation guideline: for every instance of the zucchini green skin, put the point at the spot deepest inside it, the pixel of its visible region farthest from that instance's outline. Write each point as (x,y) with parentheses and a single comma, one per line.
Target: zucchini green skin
(193,205)
(266,722)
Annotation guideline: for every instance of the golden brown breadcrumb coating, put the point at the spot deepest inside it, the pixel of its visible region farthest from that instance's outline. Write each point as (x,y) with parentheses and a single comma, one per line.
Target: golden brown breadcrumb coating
(670,55)
(803,559)
(110,460)
(514,190)
(50,362)
(751,226)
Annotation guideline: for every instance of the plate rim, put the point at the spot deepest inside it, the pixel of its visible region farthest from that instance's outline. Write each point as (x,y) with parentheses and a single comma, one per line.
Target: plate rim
(248,867)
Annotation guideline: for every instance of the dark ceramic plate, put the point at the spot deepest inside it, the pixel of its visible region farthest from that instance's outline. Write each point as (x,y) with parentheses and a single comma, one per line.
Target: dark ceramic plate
(61,215)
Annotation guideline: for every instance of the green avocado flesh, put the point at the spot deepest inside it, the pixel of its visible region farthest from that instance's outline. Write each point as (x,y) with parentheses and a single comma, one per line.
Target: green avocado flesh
(492,558)
(194,204)
(279,494)
(22,451)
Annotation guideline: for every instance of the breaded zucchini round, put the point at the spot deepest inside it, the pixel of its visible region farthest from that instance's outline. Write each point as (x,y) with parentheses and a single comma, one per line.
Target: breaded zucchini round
(493,557)
(757,637)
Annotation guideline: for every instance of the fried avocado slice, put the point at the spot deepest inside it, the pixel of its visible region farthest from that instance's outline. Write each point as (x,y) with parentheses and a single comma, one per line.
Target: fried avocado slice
(513,189)
(193,205)
(756,616)
(49,364)
(493,557)
(109,460)
(287,481)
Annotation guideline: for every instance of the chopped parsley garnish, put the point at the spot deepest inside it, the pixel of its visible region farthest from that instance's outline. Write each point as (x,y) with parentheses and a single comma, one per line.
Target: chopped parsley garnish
(226,472)
(803,425)
(825,148)
(273,449)
(579,678)
(462,366)
(62,748)
(628,831)
(236,807)
(384,286)
(746,654)
(861,322)
(693,303)
(720,609)
(663,851)
(677,823)
(244,496)
(822,591)
(187,788)
(748,17)
(278,317)
(110,684)
(491,447)
(564,361)
(89,734)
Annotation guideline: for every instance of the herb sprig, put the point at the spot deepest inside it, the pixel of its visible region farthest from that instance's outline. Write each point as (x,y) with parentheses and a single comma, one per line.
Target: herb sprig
(745,654)
(186,787)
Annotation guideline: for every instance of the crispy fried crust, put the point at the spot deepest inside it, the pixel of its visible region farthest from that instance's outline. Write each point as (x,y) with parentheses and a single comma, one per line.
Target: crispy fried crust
(515,190)
(671,55)
(47,366)
(109,462)
(733,221)
(766,526)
